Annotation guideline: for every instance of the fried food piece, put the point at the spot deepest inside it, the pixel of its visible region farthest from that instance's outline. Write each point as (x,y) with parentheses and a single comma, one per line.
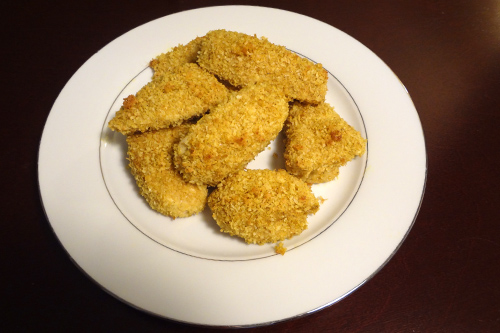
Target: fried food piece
(169,100)
(318,142)
(262,206)
(178,56)
(242,60)
(150,157)
(231,135)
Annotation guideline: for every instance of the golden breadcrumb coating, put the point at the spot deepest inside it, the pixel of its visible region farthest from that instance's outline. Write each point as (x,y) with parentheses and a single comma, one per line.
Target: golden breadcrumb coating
(168,100)
(242,60)
(178,56)
(262,206)
(150,157)
(318,142)
(231,135)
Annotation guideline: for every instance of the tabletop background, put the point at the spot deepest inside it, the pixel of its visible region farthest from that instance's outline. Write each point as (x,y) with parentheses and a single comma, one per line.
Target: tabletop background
(444,278)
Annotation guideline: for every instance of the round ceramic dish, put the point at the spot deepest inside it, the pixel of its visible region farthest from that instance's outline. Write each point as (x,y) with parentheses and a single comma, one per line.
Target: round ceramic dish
(185,269)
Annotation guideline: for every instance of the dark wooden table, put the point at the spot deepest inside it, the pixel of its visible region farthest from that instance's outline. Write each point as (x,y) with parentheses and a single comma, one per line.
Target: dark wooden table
(446,275)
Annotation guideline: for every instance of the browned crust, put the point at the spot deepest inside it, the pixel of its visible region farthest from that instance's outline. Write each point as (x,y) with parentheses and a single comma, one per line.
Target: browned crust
(168,100)
(150,157)
(318,142)
(262,206)
(231,135)
(243,60)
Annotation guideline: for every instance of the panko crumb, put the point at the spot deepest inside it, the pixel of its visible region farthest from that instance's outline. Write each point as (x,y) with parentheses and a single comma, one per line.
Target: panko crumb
(243,60)
(169,100)
(150,162)
(331,142)
(231,135)
(262,206)
(280,248)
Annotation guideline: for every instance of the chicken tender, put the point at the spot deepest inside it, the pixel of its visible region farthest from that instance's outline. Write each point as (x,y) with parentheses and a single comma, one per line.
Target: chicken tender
(150,157)
(169,100)
(262,206)
(231,135)
(243,60)
(178,56)
(318,142)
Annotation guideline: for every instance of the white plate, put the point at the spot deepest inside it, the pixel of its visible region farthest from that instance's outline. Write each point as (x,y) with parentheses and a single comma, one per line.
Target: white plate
(185,269)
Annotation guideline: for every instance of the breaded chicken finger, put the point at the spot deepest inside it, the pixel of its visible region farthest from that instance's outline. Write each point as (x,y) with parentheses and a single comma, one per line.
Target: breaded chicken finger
(262,206)
(318,142)
(168,100)
(231,135)
(178,56)
(243,60)
(150,157)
